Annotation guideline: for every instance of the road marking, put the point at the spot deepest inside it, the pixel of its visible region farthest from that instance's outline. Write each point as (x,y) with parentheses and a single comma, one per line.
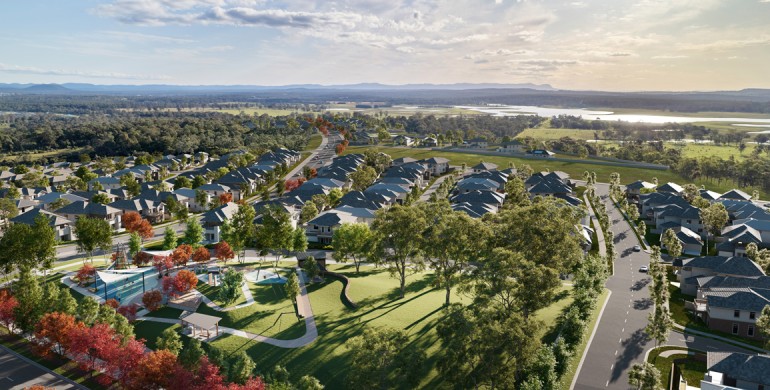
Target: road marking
(625,321)
(612,366)
(620,340)
(616,352)
(607,384)
(622,330)
(626,312)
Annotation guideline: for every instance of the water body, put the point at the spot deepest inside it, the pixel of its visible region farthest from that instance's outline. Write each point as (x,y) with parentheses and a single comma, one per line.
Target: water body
(501,110)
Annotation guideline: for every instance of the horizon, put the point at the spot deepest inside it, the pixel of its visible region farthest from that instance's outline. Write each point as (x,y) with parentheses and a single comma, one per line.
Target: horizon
(618,46)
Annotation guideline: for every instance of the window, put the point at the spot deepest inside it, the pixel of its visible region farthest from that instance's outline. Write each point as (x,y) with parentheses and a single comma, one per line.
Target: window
(735,328)
(752,315)
(750,331)
(737,313)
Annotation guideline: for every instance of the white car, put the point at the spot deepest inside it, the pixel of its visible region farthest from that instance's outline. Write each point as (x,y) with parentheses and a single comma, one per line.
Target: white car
(643,268)
(637,248)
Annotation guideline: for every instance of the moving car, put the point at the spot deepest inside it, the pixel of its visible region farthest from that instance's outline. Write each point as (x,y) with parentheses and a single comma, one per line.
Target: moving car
(637,248)
(643,268)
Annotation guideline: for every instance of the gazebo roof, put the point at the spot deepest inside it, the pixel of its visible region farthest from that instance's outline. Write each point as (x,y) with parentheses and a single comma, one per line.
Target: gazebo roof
(201,321)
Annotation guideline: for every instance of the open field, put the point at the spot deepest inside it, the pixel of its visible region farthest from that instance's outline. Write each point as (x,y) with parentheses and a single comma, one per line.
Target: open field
(575,169)
(547,133)
(379,306)
(38,155)
(720,151)
(314,142)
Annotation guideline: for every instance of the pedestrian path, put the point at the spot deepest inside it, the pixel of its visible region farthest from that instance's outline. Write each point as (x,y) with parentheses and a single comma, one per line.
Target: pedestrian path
(303,307)
(246,293)
(682,329)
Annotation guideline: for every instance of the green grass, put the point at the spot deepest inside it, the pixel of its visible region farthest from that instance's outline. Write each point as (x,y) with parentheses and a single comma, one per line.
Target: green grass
(212,292)
(721,151)
(376,293)
(314,142)
(547,133)
(166,312)
(272,315)
(38,155)
(692,370)
(150,331)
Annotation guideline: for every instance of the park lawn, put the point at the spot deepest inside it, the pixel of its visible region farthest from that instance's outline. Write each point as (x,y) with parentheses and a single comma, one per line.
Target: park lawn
(314,142)
(692,370)
(271,315)
(693,150)
(376,294)
(546,133)
(166,312)
(151,330)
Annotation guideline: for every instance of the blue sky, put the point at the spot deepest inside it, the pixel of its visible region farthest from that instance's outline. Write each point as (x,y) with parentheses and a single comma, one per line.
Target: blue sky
(596,45)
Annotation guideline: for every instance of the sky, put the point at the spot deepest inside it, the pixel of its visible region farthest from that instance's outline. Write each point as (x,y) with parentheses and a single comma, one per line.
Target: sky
(612,45)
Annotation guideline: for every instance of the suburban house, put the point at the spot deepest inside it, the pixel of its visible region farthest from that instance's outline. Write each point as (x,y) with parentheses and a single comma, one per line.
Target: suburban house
(104,183)
(483,167)
(429,142)
(24,205)
(469,184)
(692,244)
(437,166)
(674,215)
(365,138)
(736,237)
(404,140)
(215,190)
(45,201)
(148,209)
(62,227)
(735,370)
(736,195)
(245,179)
(78,209)
(649,203)
(477,203)
(514,147)
(710,196)
(212,221)
(402,161)
(321,228)
(671,188)
(637,188)
(478,143)
(541,153)
(690,269)
(367,200)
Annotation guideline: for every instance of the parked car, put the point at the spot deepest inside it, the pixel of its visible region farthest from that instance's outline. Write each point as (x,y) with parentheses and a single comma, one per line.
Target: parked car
(643,268)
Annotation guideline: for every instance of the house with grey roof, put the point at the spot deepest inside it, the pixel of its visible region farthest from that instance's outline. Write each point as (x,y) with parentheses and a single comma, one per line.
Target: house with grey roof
(215,190)
(671,188)
(45,201)
(691,269)
(404,140)
(477,143)
(671,216)
(148,209)
(62,227)
(513,147)
(735,370)
(484,167)
(78,209)
(321,228)
(736,194)
(213,220)
(633,190)
(437,166)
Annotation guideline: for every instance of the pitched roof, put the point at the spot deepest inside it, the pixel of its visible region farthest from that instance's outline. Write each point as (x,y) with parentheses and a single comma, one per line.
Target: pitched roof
(639,184)
(87,208)
(736,195)
(741,366)
(28,218)
(742,266)
(436,160)
(485,166)
(219,214)
(671,188)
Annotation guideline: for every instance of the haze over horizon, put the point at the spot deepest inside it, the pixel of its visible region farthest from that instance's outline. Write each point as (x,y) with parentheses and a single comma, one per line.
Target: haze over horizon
(652,45)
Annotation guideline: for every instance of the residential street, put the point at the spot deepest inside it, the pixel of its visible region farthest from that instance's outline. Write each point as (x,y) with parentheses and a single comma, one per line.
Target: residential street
(19,373)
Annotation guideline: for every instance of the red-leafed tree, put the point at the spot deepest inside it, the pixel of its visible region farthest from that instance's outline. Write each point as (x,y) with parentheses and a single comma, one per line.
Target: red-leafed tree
(7,303)
(201,255)
(255,383)
(113,303)
(181,254)
(120,361)
(223,251)
(313,172)
(152,299)
(225,198)
(88,345)
(131,220)
(184,281)
(85,273)
(162,263)
(129,311)
(339,148)
(154,371)
(52,332)
(142,259)
(167,287)
(144,229)
(291,184)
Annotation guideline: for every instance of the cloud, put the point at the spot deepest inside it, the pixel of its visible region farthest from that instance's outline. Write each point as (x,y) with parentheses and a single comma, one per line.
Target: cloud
(670,57)
(729,44)
(58,72)
(139,37)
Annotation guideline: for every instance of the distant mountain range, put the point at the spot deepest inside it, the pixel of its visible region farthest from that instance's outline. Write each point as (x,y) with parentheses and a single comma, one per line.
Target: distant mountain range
(161,88)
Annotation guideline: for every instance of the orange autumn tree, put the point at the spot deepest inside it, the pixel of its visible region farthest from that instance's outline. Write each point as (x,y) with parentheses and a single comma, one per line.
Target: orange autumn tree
(52,333)
(223,251)
(181,254)
(131,220)
(225,198)
(201,255)
(154,371)
(185,281)
(152,299)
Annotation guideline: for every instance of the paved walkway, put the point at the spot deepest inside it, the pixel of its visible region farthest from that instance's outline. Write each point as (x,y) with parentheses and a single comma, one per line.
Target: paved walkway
(597,226)
(739,344)
(303,307)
